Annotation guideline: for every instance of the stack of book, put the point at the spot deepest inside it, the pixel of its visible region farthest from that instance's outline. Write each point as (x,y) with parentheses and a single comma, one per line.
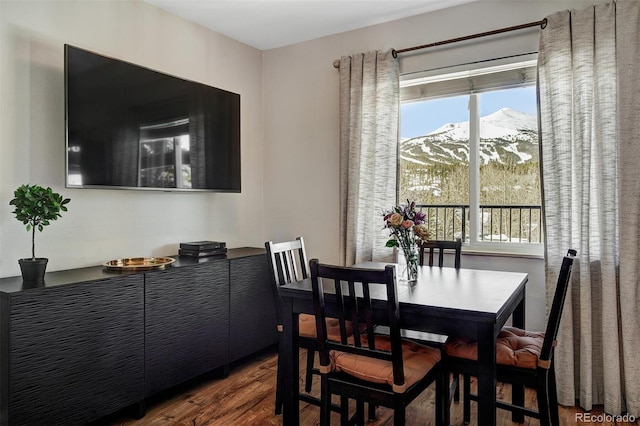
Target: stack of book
(202,248)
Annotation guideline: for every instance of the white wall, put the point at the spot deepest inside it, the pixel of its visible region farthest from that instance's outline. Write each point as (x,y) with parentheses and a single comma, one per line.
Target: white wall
(302,126)
(107,224)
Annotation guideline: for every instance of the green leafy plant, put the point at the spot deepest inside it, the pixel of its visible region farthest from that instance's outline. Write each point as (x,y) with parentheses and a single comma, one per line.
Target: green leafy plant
(36,207)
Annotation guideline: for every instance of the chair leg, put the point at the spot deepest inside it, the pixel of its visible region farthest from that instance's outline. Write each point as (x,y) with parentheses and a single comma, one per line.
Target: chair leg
(344,410)
(517,398)
(543,398)
(372,412)
(359,412)
(466,403)
(308,381)
(442,399)
(553,397)
(325,401)
(278,410)
(399,415)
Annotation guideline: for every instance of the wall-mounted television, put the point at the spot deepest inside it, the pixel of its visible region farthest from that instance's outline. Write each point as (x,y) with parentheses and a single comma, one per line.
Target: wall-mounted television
(131,127)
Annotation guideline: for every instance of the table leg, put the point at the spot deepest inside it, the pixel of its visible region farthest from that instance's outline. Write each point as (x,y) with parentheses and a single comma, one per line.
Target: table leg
(517,391)
(486,375)
(290,391)
(517,319)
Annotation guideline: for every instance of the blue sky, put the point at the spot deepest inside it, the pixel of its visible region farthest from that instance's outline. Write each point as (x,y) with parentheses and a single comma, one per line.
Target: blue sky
(420,118)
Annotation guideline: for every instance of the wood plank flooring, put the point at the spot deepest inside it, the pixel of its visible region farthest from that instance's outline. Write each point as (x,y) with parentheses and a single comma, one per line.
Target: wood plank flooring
(246,397)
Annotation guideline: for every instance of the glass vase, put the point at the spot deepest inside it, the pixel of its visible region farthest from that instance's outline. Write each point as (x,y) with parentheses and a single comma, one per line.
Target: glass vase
(410,252)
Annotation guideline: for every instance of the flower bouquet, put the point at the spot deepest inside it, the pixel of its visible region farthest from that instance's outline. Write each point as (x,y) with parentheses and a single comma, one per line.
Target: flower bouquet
(406,226)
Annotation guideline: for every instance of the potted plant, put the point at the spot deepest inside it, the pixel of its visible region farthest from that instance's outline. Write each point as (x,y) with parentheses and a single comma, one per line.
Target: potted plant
(36,207)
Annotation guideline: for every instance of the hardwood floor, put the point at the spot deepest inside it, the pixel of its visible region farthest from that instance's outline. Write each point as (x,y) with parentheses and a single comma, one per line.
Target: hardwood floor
(246,397)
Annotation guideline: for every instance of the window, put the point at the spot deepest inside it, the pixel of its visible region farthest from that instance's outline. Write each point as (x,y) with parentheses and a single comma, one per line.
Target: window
(164,155)
(469,156)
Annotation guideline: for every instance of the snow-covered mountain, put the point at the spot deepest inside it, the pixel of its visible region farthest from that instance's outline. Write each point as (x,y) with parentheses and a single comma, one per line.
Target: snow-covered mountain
(505,136)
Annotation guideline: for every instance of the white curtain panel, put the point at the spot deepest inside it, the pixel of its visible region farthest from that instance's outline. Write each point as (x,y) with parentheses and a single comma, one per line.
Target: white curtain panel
(628,60)
(590,148)
(369,108)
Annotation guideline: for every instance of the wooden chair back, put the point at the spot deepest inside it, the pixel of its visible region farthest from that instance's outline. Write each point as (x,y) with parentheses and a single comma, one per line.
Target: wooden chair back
(441,247)
(542,378)
(352,289)
(288,263)
(555,313)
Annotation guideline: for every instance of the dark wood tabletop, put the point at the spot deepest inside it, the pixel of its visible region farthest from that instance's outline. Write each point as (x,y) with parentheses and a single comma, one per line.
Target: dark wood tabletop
(457,302)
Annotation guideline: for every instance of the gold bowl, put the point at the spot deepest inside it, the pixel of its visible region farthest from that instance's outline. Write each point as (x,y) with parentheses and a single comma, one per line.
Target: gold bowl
(138,263)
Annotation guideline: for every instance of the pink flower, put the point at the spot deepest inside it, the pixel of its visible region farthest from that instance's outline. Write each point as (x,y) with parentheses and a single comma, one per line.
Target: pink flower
(406,224)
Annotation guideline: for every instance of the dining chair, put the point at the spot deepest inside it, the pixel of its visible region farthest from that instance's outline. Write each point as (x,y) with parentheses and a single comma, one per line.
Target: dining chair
(441,247)
(437,248)
(523,358)
(288,263)
(382,370)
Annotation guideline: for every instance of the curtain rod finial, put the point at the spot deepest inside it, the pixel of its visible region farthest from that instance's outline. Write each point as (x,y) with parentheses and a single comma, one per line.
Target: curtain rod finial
(336,63)
(543,25)
(394,53)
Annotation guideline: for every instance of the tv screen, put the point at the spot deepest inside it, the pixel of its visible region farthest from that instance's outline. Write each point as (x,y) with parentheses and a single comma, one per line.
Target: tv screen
(131,127)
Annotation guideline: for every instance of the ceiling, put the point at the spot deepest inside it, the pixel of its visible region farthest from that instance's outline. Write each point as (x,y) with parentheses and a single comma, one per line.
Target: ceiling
(267,24)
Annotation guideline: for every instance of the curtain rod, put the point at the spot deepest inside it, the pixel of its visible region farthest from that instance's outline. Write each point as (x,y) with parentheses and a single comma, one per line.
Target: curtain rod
(394,52)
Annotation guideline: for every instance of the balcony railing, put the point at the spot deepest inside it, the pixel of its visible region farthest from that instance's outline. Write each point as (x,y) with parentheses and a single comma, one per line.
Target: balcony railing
(516,224)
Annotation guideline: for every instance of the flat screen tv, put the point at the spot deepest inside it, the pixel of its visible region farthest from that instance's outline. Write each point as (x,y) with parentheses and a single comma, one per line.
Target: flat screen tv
(130,127)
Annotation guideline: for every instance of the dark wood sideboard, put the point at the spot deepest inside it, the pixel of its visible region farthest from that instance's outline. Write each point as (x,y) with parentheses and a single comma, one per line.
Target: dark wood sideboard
(89,342)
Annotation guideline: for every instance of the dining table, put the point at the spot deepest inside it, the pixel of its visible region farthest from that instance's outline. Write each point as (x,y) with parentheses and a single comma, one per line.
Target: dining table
(466,303)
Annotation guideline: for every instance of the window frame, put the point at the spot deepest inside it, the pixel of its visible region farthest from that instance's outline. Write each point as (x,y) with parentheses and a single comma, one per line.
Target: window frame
(415,87)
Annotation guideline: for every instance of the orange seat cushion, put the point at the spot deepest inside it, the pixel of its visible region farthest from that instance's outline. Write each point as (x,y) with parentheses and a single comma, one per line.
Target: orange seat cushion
(307,327)
(514,347)
(418,360)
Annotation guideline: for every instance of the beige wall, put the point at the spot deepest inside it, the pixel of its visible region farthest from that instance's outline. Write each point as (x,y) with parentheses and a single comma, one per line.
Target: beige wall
(108,224)
(301,132)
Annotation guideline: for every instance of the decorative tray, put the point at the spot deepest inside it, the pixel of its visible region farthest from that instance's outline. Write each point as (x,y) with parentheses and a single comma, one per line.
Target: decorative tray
(138,263)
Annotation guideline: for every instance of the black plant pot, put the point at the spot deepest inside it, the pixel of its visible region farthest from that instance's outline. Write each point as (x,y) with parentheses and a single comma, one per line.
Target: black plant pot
(33,269)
